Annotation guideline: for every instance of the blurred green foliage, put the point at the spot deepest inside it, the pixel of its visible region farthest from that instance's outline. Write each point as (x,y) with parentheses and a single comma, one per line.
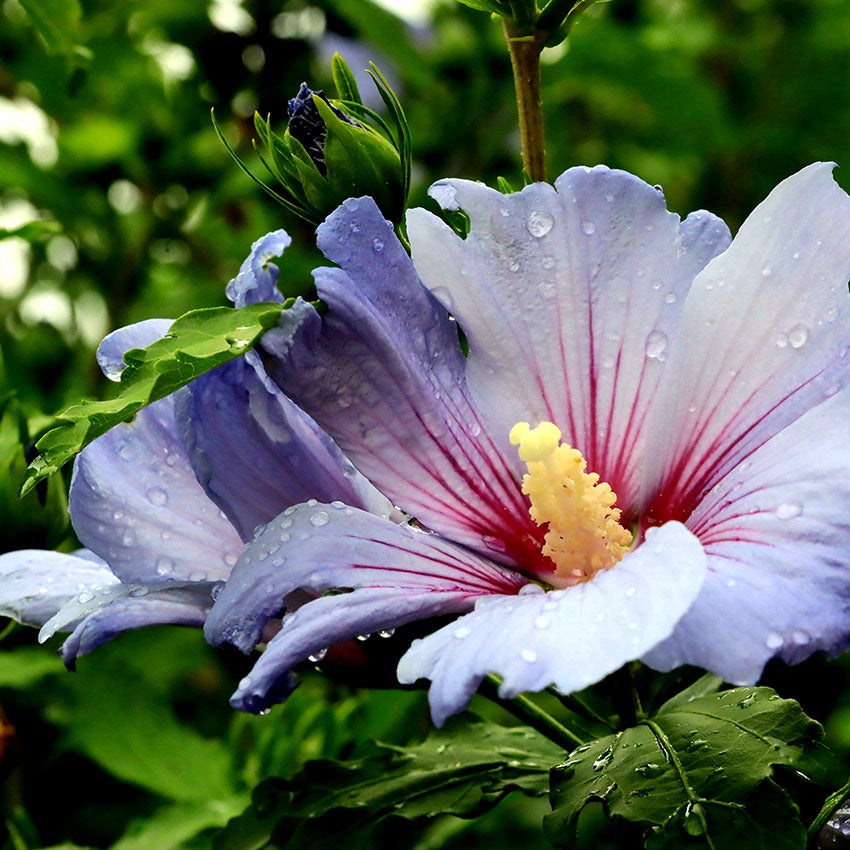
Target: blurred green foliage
(106,142)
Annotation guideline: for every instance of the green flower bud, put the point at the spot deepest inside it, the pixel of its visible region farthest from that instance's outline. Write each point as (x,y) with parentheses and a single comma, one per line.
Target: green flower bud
(334,150)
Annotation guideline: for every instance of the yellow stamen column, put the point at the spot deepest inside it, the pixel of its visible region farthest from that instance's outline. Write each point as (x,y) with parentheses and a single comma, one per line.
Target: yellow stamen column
(584,534)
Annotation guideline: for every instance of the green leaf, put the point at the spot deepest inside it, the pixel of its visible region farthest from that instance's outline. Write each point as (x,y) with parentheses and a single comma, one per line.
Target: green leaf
(169,827)
(694,764)
(344,80)
(27,665)
(140,740)
(33,231)
(56,21)
(197,342)
(463,770)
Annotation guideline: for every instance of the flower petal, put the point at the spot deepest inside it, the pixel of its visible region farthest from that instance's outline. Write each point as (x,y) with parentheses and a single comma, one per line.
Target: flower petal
(383,373)
(567,296)
(777,535)
(135,502)
(319,548)
(35,584)
(177,606)
(256,453)
(332,619)
(567,638)
(258,276)
(113,347)
(764,337)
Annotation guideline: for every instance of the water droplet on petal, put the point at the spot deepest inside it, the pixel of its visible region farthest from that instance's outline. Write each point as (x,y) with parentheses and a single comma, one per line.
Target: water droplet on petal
(670,297)
(788,510)
(494,544)
(530,589)
(85,596)
(462,631)
(378,245)
(386,633)
(319,519)
(528,655)
(541,622)
(317,656)
(800,638)
(798,335)
(588,227)
(164,566)
(157,496)
(773,640)
(832,314)
(656,343)
(539,223)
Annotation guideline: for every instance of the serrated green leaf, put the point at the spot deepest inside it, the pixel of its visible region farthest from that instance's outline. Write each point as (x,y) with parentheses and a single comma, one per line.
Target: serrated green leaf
(464,770)
(710,752)
(197,342)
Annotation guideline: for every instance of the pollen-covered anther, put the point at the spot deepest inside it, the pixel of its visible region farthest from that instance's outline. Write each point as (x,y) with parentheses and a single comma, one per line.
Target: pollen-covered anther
(584,534)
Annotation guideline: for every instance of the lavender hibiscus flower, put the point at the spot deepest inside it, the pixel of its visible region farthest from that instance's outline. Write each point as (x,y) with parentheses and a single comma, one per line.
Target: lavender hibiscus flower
(641,454)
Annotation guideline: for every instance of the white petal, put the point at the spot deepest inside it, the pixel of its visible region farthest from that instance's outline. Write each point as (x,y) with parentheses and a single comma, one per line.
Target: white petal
(568,297)
(566,638)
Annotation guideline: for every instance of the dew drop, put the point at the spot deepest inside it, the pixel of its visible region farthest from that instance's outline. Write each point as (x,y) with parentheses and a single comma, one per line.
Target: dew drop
(494,544)
(317,656)
(462,631)
(788,510)
(773,640)
(832,314)
(800,638)
(588,227)
(656,343)
(319,519)
(363,637)
(216,591)
(541,622)
(230,559)
(85,596)
(164,566)
(528,655)
(782,340)
(378,245)
(530,589)
(670,298)
(157,496)
(539,223)
(797,336)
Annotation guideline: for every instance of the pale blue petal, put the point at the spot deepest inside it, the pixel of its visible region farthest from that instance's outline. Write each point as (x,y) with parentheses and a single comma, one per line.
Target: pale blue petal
(136,503)
(258,276)
(765,337)
(776,531)
(111,351)
(568,296)
(319,548)
(35,584)
(134,609)
(256,453)
(567,638)
(383,373)
(332,619)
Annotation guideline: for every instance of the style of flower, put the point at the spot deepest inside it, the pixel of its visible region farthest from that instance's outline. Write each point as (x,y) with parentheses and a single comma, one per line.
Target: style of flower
(633,449)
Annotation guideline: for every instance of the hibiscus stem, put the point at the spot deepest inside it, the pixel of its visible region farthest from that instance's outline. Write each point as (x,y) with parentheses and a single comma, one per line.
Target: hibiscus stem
(524,50)
(532,714)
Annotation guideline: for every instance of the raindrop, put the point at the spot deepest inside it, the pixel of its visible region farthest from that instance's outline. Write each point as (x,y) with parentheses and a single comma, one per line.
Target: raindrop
(649,770)
(157,496)
(788,511)
(494,544)
(656,342)
(230,559)
(541,622)
(797,336)
(319,519)
(832,314)
(462,631)
(164,566)
(782,340)
(85,596)
(377,245)
(216,591)
(116,515)
(129,538)
(317,656)
(363,637)
(588,227)
(504,213)
(767,271)
(800,638)
(474,429)
(386,633)
(539,224)
(530,589)
(513,265)
(354,227)
(773,640)
(670,297)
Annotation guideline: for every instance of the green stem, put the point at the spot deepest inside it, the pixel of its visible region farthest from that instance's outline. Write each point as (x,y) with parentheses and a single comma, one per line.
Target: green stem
(531,714)
(525,52)
(830,805)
